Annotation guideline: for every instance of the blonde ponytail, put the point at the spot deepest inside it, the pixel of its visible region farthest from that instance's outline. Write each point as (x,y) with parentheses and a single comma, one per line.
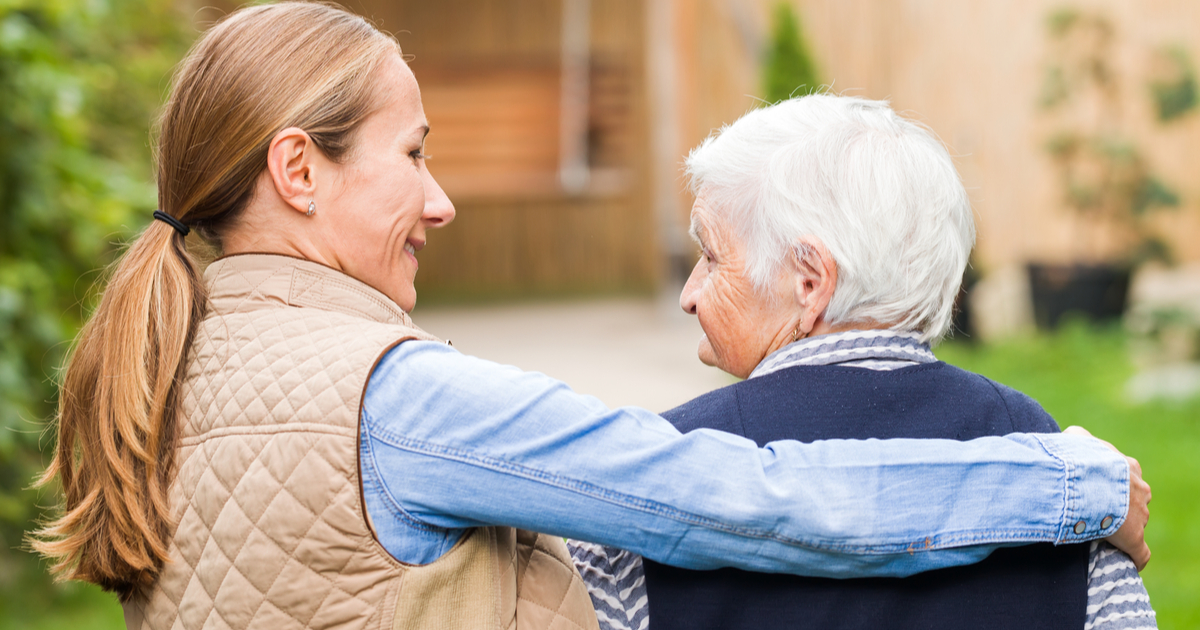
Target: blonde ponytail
(260,70)
(116,444)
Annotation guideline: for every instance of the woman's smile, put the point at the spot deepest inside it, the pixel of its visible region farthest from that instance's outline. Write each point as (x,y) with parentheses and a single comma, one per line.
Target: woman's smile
(411,250)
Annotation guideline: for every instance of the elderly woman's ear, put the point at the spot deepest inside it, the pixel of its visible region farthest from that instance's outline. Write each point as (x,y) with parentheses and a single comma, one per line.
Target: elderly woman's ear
(814,278)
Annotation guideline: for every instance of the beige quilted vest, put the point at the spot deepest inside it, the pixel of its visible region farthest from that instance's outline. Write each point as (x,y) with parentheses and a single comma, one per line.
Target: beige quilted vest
(271,529)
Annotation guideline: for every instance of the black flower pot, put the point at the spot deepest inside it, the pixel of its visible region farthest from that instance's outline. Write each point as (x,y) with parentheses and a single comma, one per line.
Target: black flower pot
(1096,292)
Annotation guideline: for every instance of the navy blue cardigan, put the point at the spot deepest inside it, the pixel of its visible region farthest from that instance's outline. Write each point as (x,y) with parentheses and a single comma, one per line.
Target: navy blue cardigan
(1035,586)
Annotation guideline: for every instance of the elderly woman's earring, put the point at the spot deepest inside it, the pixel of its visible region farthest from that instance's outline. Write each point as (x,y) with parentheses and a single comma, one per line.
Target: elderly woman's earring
(312,208)
(796,331)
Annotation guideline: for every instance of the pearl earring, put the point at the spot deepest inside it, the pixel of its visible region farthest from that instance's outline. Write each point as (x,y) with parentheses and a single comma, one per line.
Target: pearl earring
(312,208)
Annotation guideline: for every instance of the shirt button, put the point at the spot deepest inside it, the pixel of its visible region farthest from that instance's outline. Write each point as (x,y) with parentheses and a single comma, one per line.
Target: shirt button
(1080,526)
(1106,522)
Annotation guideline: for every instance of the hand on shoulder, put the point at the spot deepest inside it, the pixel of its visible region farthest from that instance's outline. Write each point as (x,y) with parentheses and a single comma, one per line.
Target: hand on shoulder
(1131,537)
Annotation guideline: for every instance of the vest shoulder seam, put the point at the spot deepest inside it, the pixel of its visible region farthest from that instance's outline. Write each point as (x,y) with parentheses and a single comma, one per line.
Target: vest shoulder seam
(297,427)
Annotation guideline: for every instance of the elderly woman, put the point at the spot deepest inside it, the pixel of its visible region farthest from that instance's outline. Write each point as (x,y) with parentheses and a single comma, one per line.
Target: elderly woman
(833,235)
(277,445)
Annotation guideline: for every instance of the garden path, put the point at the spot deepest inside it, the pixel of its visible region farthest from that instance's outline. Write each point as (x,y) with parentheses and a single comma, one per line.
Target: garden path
(624,351)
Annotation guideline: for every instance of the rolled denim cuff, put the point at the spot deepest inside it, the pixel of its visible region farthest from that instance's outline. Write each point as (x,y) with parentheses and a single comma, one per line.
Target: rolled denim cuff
(1097,487)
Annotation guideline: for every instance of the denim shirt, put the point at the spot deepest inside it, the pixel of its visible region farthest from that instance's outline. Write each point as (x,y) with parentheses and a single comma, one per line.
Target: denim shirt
(450,442)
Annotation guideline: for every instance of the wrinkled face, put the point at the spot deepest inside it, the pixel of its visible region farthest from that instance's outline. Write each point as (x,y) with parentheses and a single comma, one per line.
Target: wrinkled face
(385,199)
(741,324)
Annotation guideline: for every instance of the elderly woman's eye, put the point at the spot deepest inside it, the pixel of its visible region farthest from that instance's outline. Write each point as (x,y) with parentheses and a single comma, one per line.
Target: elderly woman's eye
(416,154)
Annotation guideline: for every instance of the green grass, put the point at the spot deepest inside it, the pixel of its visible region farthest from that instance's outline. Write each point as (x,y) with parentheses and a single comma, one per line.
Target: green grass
(66,607)
(1078,375)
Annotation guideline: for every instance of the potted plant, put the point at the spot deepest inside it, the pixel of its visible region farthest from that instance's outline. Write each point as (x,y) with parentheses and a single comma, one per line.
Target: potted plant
(1103,176)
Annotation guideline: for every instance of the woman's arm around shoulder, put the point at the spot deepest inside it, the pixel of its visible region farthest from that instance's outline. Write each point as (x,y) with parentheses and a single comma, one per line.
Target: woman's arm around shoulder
(462,442)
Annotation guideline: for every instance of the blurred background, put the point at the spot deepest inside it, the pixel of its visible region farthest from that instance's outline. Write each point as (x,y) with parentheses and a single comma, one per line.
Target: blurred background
(559,129)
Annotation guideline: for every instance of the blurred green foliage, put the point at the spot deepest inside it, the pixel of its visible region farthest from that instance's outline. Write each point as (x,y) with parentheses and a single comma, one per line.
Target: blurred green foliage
(81,80)
(789,70)
(1103,174)
(1174,94)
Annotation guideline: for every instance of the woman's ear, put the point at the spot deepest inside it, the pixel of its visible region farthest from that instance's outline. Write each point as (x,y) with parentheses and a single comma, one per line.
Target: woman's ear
(815,279)
(292,162)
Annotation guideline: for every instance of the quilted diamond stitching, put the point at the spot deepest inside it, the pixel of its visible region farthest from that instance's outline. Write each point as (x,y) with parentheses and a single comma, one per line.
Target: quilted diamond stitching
(537,549)
(252,289)
(236,586)
(323,577)
(219,394)
(257,363)
(318,291)
(278,493)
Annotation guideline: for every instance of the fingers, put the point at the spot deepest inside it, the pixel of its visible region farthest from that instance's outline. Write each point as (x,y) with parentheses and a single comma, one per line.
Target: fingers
(1142,558)
(1077,430)
(1138,488)
(1134,467)
(1131,537)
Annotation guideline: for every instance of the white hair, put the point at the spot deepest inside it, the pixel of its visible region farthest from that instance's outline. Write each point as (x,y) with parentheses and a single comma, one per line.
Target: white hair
(881,192)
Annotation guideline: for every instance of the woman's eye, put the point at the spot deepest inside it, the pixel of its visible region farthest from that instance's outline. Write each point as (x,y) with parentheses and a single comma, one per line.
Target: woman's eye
(418,155)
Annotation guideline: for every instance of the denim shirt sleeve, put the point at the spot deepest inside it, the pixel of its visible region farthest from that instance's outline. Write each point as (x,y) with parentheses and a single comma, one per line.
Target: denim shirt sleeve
(451,441)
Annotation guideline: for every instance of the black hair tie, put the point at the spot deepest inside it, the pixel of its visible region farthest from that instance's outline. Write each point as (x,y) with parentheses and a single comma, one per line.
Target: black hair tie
(173,222)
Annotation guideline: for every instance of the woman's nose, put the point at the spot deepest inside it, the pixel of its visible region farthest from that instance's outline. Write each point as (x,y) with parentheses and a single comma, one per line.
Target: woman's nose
(691,290)
(439,210)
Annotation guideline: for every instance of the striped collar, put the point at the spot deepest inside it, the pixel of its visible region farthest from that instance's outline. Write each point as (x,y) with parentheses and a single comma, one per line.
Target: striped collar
(871,349)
